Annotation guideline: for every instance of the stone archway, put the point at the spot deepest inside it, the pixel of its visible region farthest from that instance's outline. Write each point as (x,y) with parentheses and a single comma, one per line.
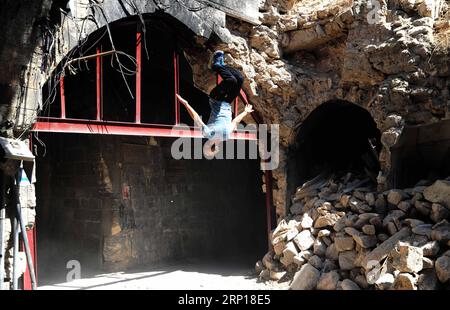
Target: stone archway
(336,136)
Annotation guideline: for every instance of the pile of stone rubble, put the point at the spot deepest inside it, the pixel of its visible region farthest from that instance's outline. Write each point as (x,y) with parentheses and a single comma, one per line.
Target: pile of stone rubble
(343,234)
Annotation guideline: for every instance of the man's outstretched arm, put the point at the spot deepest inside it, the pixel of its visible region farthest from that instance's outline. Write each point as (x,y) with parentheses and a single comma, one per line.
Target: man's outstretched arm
(236,121)
(194,115)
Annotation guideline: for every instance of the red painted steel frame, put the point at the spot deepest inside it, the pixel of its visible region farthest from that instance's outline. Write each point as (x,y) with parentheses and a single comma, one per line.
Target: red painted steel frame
(63,97)
(137,129)
(138,76)
(99,85)
(128,129)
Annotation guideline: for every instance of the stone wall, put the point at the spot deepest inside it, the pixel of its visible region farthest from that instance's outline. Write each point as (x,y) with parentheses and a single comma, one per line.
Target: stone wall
(20,65)
(382,58)
(117,202)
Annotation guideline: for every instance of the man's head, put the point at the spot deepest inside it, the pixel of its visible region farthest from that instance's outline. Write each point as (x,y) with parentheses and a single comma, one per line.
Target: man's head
(212,147)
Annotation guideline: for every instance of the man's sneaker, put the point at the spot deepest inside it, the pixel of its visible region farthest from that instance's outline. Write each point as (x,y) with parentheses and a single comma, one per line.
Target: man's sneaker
(217,59)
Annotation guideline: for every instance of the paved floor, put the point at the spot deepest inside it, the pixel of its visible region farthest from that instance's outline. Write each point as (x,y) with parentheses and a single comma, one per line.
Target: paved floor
(168,278)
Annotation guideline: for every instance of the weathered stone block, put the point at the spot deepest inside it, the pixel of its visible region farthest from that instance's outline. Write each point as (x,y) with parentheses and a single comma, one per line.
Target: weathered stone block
(442,266)
(404,281)
(328,281)
(347,260)
(344,243)
(349,285)
(304,240)
(407,258)
(306,278)
(439,192)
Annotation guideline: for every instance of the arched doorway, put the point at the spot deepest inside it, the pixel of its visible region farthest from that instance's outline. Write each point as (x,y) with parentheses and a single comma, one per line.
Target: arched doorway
(337,136)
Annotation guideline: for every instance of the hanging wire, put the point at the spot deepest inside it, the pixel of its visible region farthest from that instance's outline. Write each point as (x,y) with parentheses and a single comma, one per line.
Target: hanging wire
(42,143)
(121,66)
(132,3)
(81,50)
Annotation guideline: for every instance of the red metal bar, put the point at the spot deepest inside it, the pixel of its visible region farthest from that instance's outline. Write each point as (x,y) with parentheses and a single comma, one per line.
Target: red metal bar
(243,96)
(138,76)
(26,279)
(99,84)
(63,97)
(127,129)
(177,86)
(268,181)
(256,117)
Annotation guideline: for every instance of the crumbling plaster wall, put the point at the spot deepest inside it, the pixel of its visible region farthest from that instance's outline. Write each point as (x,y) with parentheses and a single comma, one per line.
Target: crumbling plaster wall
(19,60)
(382,57)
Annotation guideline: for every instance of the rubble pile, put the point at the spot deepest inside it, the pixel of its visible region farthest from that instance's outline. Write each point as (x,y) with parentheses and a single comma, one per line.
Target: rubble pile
(343,234)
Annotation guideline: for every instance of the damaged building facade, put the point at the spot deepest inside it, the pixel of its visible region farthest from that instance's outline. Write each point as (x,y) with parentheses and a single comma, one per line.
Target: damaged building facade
(353,85)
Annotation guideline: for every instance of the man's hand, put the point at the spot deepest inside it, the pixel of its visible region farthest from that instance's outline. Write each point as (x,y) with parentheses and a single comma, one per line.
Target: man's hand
(248,108)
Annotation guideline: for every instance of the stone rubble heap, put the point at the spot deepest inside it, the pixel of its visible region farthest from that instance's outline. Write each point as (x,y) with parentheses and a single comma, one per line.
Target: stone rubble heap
(343,234)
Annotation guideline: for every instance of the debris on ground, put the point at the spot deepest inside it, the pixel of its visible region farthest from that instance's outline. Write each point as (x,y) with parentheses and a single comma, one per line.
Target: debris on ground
(341,233)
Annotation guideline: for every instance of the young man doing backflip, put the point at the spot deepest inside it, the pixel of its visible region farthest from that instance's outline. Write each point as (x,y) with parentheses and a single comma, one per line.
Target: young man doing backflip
(220,124)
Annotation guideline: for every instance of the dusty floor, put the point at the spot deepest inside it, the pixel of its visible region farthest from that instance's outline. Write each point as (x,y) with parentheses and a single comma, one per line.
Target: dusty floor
(191,277)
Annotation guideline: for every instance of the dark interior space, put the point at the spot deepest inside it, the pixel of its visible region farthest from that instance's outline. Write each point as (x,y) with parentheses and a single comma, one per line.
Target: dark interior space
(335,138)
(422,153)
(163,37)
(114,203)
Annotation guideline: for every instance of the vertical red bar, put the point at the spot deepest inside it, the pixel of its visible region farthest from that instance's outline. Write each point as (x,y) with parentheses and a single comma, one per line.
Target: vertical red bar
(99,84)
(177,86)
(31,234)
(138,76)
(268,181)
(63,97)
(244,97)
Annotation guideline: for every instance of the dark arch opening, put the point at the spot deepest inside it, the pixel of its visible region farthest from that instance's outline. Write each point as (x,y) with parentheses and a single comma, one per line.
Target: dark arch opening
(338,136)
(422,154)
